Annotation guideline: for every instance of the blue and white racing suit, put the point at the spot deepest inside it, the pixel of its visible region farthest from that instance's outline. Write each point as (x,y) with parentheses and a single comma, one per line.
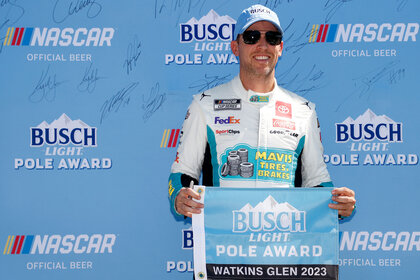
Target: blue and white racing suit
(239,138)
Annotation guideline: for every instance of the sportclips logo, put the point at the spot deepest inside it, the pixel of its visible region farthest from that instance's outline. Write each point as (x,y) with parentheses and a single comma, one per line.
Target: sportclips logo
(211,36)
(269,215)
(63,141)
(59,244)
(62,37)
(369,138)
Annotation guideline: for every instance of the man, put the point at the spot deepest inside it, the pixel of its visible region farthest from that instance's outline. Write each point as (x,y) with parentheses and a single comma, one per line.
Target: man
(250,132)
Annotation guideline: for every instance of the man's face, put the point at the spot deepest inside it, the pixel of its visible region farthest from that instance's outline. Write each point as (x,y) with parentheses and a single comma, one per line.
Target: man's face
(261,58)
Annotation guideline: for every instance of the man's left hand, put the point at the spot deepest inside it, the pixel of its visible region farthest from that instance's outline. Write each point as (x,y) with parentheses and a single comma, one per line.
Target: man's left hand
(345,201)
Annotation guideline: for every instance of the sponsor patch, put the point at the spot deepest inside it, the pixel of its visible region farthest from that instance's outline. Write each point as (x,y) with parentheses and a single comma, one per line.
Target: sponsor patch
(259,99)
(228,120)
(227,132)
(227,104)
(284,124)
(283,109)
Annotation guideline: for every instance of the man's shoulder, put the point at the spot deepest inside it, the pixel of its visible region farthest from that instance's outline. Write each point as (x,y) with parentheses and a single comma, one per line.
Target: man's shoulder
(218,92)
(297,99)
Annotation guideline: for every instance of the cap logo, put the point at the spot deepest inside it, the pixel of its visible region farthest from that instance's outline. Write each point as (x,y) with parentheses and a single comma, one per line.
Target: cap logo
(255,14)
(260,11)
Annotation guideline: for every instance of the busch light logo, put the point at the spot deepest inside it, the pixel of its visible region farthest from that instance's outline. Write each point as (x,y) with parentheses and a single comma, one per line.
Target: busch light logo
(63,131)
(210,27)
(210,37)
(370,137)
(63,142)
(369,127)
(269,215)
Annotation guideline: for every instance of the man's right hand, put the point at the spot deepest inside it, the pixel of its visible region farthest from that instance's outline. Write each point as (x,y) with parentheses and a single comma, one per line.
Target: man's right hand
(184,204)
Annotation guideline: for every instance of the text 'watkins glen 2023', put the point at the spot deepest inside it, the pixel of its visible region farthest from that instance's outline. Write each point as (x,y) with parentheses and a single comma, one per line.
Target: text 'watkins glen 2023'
(63,141)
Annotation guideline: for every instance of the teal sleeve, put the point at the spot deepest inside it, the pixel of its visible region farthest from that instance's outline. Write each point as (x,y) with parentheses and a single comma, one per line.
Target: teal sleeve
(327,184)
(174,186)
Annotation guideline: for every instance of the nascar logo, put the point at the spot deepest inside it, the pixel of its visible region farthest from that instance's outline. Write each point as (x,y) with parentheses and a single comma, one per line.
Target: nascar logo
(17,242)
(364,32)
(170,138)
(35,36)
(47,244)
(227,104)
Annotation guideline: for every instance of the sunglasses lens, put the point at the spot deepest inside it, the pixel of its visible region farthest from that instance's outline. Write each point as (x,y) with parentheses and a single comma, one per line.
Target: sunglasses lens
(273,38)
(251,37)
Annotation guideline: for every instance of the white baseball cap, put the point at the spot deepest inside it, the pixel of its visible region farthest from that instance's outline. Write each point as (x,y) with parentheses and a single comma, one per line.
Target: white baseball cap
(254,14)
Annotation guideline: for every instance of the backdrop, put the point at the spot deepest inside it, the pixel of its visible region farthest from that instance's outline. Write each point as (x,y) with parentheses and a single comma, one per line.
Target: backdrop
(93,96)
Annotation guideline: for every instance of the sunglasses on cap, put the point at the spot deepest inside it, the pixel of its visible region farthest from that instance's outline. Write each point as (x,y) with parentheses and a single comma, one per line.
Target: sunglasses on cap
(253,36)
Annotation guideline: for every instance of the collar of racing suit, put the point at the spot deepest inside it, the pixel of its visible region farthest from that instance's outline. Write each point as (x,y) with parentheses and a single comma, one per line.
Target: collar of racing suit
(251,96)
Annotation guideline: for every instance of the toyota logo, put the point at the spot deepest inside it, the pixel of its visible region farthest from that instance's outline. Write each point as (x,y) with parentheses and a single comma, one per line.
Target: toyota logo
(283,109)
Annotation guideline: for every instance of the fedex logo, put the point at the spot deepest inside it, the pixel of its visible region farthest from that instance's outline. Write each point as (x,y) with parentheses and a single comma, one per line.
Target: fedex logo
(229,120)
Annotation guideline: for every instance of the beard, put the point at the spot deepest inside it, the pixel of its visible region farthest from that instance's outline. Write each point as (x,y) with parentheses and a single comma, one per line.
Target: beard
(257,71)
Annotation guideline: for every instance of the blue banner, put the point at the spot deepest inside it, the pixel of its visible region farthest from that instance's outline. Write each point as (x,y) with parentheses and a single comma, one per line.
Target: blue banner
(270,233)
(94,94)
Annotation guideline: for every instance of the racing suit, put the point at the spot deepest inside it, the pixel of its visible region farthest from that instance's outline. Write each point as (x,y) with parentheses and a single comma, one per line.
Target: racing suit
(240,138)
